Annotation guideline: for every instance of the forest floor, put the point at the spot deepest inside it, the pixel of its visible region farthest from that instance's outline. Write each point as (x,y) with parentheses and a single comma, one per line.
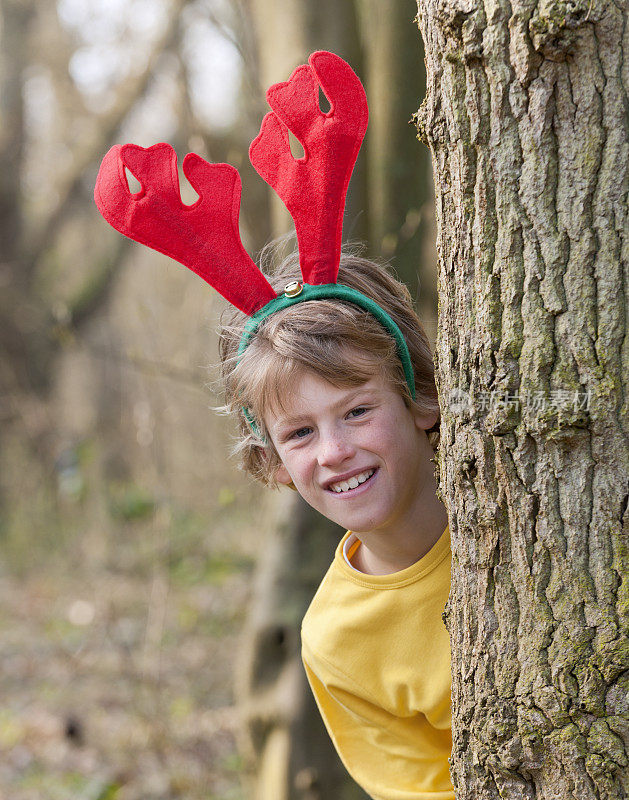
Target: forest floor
(118,663)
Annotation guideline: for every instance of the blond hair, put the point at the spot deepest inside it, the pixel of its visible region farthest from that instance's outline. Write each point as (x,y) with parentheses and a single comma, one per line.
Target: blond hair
(340,342)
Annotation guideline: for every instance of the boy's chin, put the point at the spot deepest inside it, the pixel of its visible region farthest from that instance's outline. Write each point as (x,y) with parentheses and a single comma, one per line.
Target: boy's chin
(348,521)
(353,519)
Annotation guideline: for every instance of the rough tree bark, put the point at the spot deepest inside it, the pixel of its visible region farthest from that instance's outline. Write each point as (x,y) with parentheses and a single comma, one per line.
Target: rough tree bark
(526,118)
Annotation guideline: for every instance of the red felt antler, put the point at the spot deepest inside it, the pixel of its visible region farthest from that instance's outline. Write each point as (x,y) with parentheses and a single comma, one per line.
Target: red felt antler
(203,236)
(314,187)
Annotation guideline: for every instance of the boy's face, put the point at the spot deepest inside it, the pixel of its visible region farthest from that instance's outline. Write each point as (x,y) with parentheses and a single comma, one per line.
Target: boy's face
(358,455)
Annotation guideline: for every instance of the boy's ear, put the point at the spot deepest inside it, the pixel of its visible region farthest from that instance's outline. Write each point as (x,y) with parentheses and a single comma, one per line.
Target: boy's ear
(282,476)
(426,421)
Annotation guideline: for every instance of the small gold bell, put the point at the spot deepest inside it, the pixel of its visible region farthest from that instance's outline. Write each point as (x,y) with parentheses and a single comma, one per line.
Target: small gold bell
(293,288)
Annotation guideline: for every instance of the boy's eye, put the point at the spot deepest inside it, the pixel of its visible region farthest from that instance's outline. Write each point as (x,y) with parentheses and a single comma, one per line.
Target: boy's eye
(300,433)
(357,412)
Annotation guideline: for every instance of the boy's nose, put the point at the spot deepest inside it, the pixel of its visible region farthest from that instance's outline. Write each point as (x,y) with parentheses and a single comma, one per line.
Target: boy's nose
(333,450)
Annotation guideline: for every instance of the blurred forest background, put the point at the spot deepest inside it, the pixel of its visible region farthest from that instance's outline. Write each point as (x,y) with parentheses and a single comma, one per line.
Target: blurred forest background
(134,555)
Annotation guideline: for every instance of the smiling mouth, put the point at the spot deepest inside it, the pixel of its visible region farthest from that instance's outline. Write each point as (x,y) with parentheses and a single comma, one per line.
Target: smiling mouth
(352,483)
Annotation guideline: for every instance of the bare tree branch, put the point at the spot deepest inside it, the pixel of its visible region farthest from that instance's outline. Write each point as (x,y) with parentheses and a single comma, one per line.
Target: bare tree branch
(94,292)
(105,128)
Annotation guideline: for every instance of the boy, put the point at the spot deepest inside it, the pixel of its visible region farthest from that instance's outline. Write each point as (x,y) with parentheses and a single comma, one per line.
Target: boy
(334,420)
(332,382)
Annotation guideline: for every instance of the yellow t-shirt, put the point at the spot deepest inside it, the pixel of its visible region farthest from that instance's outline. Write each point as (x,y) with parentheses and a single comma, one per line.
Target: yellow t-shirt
(377,656)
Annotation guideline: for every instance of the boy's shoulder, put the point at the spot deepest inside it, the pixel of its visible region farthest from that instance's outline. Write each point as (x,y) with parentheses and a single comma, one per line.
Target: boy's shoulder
(350,604)
(364,632)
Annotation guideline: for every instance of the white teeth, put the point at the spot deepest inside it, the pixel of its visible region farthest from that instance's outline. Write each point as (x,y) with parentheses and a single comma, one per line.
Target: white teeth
(352,483)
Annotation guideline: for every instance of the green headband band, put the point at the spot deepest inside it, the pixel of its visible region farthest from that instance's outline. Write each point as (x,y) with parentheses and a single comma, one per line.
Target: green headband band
(296,292)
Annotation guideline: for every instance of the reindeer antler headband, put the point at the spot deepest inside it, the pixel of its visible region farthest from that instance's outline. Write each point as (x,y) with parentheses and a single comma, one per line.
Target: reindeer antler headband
(204,236)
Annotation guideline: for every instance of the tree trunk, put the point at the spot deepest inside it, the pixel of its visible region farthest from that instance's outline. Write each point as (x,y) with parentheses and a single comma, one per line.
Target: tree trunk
(526,119)
(399,187)
(23,364)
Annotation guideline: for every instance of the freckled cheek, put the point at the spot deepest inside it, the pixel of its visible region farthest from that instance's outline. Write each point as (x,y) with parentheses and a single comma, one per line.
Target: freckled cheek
(381,439)
(303,470)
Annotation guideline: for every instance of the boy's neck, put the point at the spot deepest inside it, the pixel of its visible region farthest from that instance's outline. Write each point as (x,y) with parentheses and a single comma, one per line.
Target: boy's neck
(378,556)
(371,562)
